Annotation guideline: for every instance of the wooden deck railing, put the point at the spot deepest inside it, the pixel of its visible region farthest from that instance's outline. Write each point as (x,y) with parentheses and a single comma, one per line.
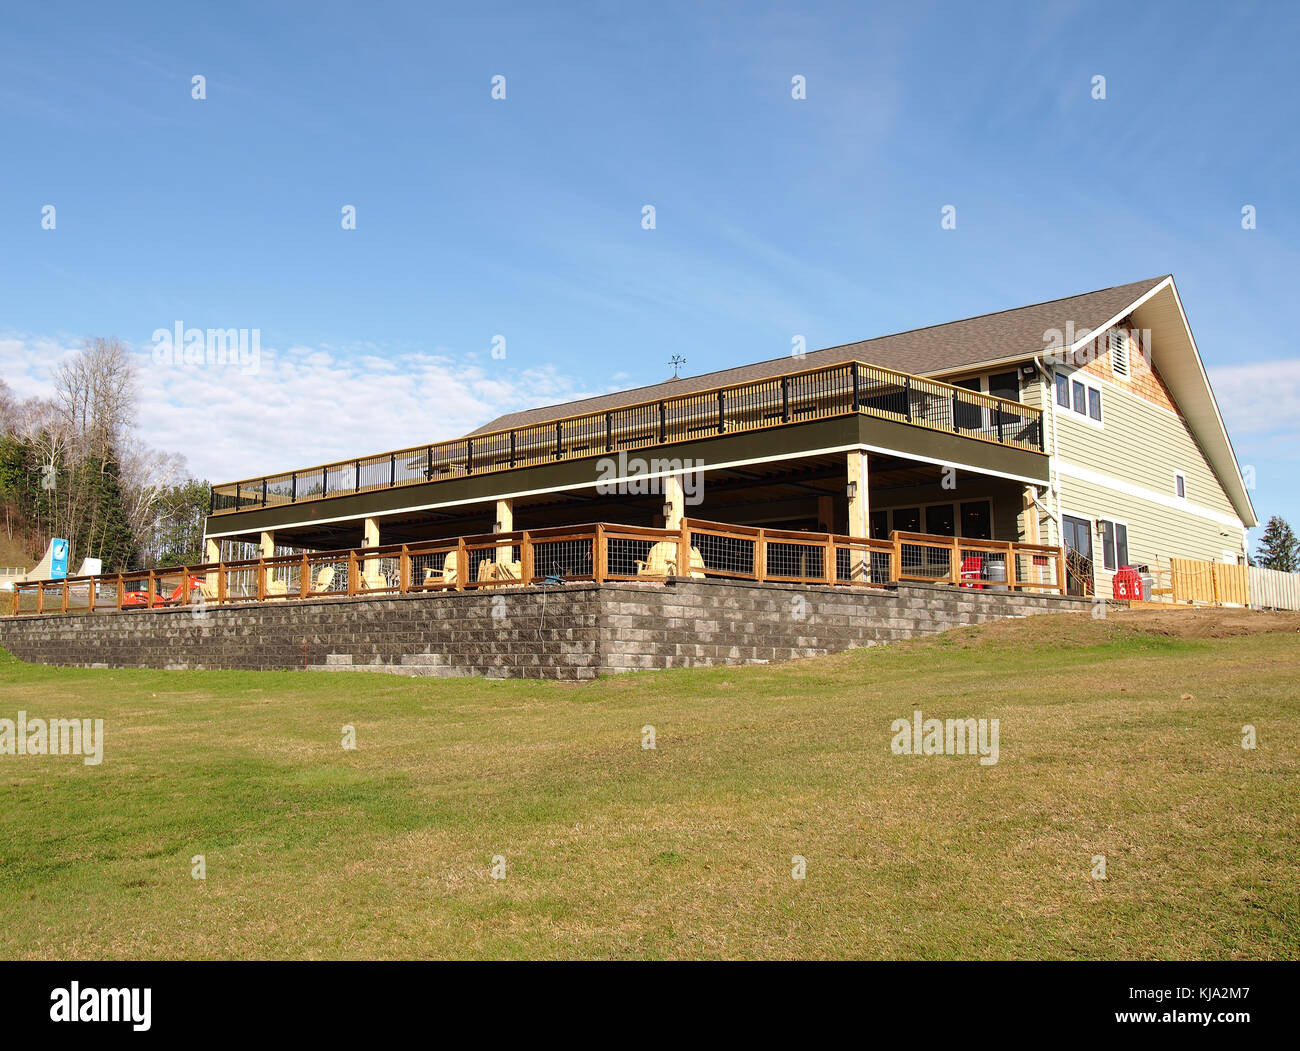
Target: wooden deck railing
(780,401)
(599,552)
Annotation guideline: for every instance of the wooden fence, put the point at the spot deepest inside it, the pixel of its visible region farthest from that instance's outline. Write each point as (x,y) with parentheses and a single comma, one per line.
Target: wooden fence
(1273,589)
(598,552)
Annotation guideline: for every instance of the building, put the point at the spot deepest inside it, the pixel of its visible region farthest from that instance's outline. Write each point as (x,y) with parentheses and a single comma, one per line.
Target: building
(1087,422)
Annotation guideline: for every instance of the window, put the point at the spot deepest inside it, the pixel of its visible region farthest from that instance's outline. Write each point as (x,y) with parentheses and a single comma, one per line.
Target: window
(908,520)
(1005,385)
(1114,544)
(1119,363)
(1180,485)
(977,520)
(938,520)
(1080,396)
(973,519)
(969,417)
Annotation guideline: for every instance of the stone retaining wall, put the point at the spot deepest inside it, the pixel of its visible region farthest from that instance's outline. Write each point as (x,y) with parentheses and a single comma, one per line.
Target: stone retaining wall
(576,631)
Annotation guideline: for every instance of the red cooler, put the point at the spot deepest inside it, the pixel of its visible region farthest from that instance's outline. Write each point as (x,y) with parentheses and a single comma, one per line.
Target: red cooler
(1127,583)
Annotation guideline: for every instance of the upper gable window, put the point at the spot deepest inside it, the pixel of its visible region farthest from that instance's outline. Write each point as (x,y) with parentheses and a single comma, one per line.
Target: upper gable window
(1079,395)
(1119,360)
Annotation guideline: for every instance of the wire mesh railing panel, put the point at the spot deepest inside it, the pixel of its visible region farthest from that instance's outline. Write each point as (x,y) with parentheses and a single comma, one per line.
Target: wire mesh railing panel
(433,569)
(630,557)
(787,560)
(921,561)
(493,564)
(861,564)
(723,555)
(567,558)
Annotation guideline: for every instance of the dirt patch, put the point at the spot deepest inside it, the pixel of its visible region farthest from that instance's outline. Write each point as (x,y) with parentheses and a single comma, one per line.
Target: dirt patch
(1194,623)
(1081,629)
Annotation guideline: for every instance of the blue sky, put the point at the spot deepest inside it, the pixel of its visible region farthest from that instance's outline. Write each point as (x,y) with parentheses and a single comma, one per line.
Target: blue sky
(522,217)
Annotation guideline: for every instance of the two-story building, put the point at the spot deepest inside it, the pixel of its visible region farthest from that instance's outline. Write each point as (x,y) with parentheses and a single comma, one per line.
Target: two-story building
(1087,421)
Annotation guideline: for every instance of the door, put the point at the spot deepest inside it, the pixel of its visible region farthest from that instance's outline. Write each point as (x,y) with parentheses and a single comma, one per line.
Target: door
(1077,533)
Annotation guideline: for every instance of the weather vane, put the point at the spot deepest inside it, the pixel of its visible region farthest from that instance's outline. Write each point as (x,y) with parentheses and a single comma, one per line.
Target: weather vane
(677,362)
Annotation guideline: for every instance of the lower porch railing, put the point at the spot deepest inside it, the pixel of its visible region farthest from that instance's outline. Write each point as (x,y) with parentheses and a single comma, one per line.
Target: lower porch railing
(599,552)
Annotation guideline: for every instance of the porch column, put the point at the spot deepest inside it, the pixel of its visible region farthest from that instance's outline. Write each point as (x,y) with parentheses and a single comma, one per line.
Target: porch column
(505,523)
(675,501)
(1032,534)
(859,510)
(268,545)
(859,502)
(370,533)
(211,553)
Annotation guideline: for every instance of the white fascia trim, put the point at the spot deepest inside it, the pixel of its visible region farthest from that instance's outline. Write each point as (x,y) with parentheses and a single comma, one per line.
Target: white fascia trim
(1084,474)
(640,477)
(1106,326)
(1043,352)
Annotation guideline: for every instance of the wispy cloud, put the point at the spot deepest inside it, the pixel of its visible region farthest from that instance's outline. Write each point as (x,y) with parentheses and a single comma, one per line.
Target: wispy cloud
(305,405)
(1260,398)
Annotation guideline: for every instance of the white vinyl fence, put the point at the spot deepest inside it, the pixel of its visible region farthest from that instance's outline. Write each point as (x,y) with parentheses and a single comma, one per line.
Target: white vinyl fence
(1273,589)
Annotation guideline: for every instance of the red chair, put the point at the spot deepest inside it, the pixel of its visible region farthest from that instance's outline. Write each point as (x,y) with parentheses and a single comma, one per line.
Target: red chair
(972,570)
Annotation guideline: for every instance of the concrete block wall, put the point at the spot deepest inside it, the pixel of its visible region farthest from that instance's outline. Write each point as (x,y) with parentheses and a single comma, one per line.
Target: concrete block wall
(572,632)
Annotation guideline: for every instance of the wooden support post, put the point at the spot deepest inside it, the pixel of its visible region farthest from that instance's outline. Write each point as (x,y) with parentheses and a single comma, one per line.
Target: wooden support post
(896,558)
(1011,566)
(153,590)
(352,573)
(462,564)
(40,598)
(760,556)
(600,555)
(222,583)
(505,523)
(404,570)
(121,592)
(954,562)
(684,549)
(185,588)
(1033,535)
(370,532)
(828,560)
(859,524)
(211,554)
(64,603)
(674,501)
(1060,570)
(526,559)
(261,580)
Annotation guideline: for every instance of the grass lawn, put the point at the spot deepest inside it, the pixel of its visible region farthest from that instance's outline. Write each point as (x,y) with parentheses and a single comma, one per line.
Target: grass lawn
(1119,738)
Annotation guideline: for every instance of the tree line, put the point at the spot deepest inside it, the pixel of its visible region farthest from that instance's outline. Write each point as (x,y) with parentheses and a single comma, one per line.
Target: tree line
(73,466)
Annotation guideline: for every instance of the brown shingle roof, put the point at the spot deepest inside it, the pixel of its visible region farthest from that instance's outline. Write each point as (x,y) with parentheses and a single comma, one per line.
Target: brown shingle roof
(920,351)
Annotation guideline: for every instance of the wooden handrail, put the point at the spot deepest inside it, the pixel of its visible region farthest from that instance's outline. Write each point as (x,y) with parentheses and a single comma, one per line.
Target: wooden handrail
(461,453)
(599,536)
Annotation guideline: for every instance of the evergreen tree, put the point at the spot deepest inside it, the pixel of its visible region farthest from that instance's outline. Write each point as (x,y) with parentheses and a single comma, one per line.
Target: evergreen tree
(1278,547)
(109,536)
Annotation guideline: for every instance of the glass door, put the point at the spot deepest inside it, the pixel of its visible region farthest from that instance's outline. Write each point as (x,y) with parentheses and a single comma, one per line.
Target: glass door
(1077,533)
